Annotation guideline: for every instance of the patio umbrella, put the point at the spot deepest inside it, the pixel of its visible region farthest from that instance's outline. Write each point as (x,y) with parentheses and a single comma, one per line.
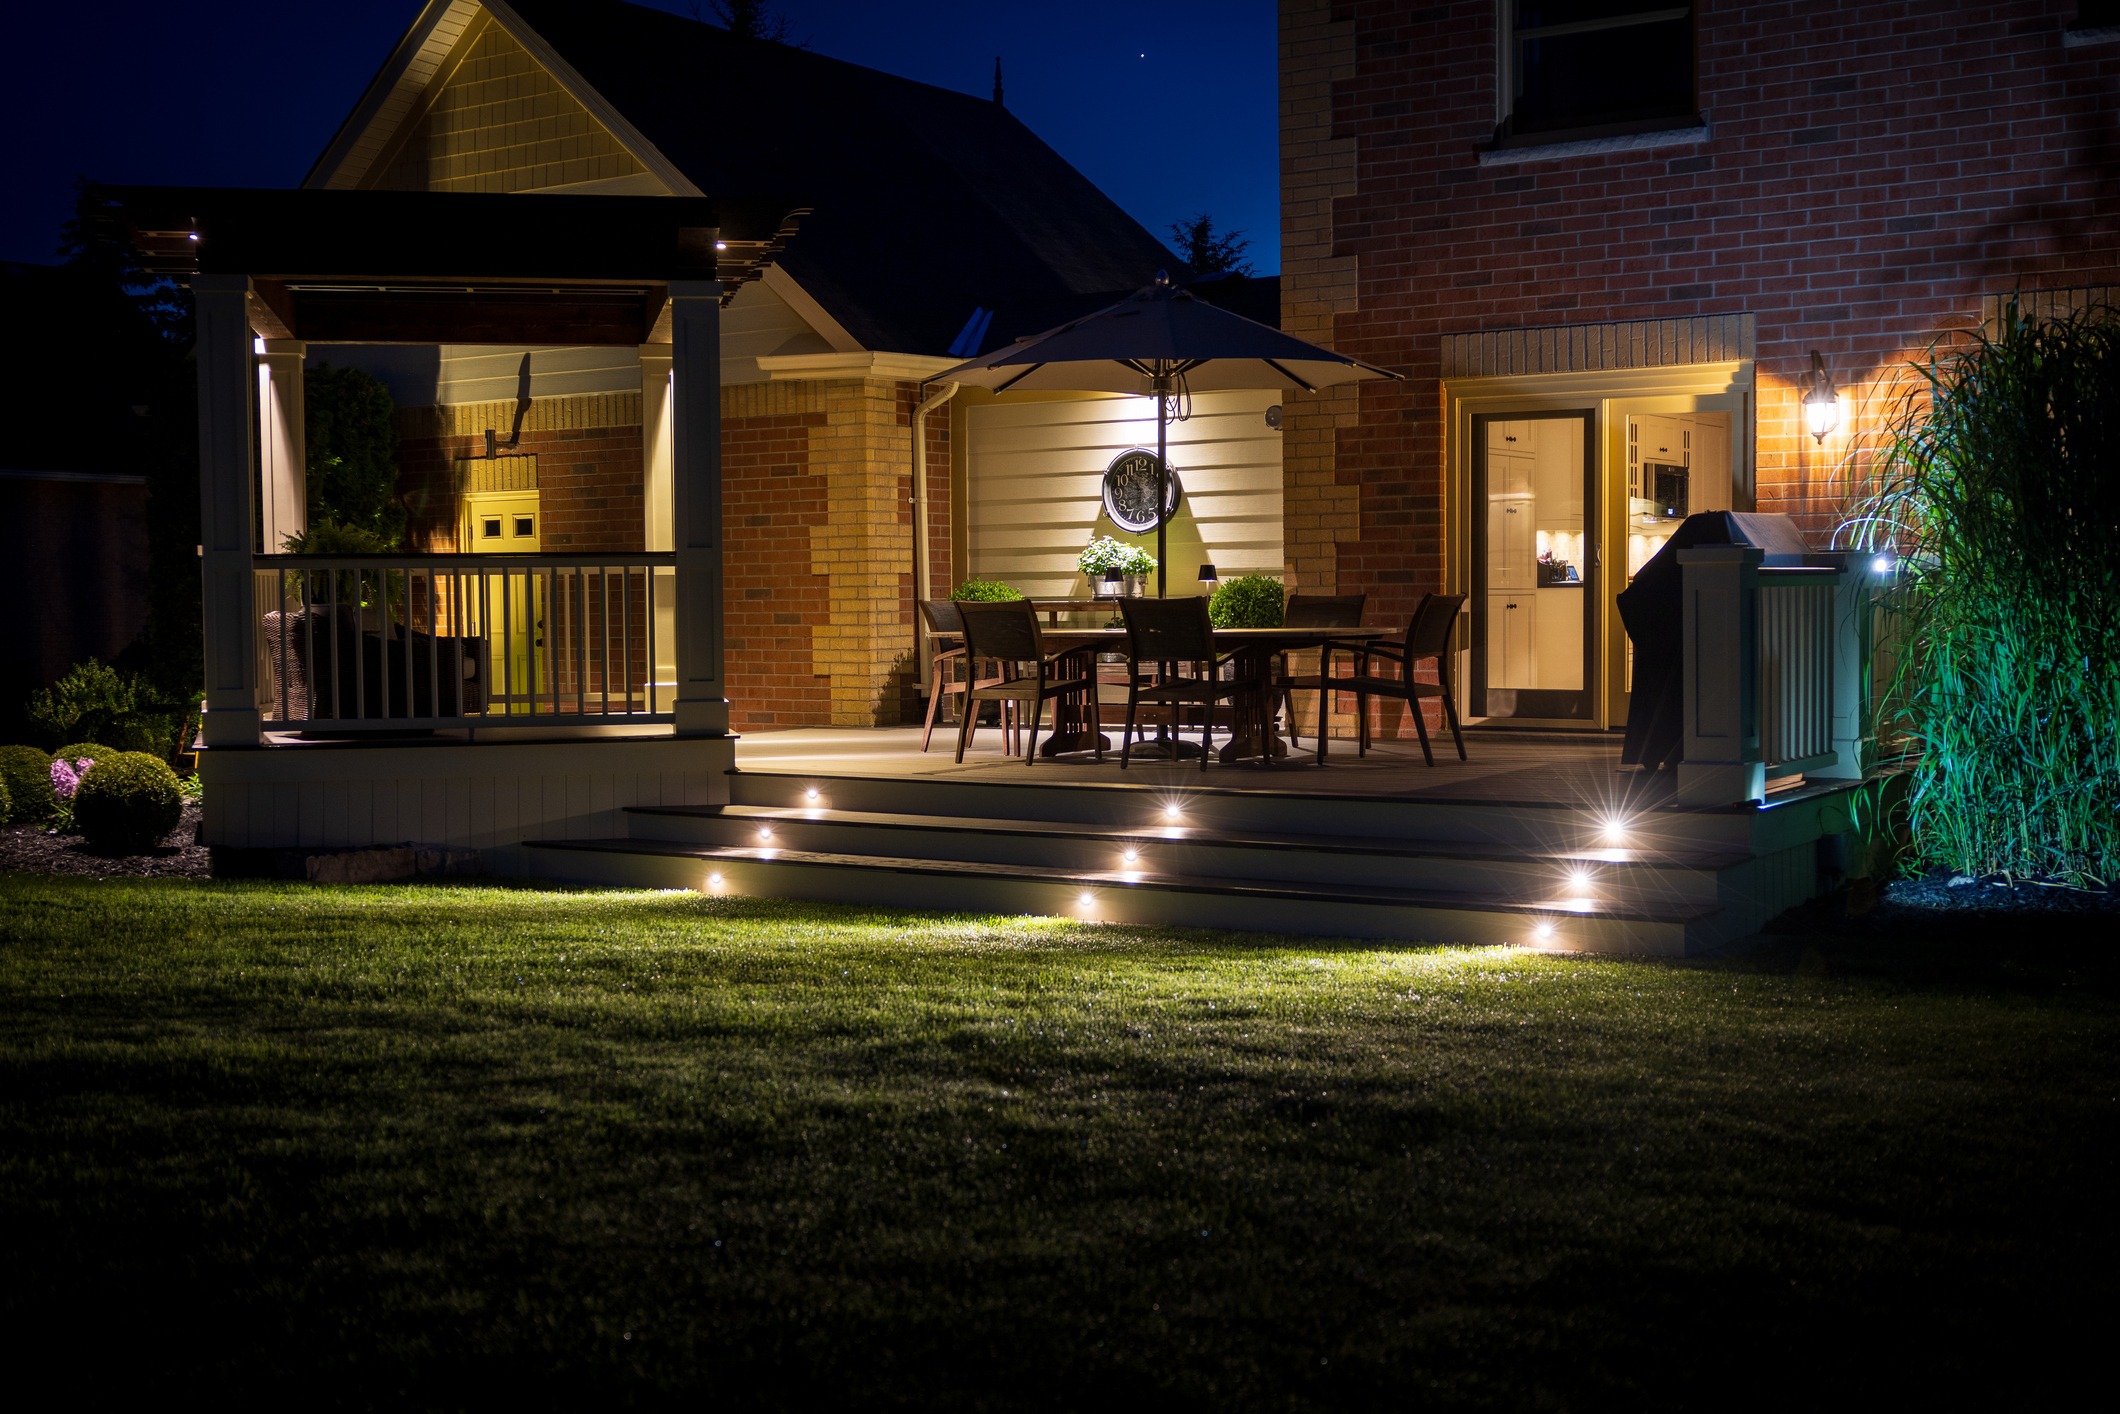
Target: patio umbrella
(1161,342)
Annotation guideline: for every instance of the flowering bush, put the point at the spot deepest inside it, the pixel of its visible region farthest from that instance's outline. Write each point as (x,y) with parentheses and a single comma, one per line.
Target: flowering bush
(66,776)
(1104,556)
(66,783)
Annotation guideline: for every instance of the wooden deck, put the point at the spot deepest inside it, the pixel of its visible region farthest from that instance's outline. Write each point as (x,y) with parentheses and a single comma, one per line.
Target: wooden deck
(1503,767)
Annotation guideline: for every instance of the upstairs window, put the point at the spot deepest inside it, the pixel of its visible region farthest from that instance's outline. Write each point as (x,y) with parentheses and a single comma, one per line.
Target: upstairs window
(2097,14)
(1594,68)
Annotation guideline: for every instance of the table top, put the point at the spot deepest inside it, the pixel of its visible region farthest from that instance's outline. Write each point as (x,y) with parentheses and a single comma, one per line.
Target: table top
(1228,637)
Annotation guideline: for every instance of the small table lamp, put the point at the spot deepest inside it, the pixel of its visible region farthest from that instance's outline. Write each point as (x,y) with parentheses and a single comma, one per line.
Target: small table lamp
(1208,580)
(1108,586)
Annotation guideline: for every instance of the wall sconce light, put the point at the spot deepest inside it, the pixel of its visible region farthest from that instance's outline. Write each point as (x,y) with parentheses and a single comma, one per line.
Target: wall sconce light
(1208,580)
(1821,405)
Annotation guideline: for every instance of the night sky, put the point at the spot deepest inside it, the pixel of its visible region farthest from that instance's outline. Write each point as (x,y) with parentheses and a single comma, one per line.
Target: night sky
(1169,109)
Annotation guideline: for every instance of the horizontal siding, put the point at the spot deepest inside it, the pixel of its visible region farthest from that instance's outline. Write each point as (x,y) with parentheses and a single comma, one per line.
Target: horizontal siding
(1036,477)
(483,373)
(758,323)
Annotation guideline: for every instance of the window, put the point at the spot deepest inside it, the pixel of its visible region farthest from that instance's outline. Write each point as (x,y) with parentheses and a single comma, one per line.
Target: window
(490,527)
(2097,14)
(1594,68)
(523,526)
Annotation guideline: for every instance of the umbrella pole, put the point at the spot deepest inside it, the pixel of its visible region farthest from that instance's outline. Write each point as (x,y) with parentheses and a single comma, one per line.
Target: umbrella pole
(1162,493)
(1166,746)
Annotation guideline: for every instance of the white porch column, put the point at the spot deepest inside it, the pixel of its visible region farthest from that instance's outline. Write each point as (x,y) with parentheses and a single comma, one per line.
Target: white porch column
(283,449)
(695,499)
(227,524)
(1722,763)
(656,489)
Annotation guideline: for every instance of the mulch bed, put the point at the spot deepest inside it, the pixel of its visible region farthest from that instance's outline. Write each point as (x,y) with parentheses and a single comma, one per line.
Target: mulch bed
(33,849)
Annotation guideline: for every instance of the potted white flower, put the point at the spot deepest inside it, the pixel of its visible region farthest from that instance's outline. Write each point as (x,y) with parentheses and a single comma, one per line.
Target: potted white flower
(1105,560)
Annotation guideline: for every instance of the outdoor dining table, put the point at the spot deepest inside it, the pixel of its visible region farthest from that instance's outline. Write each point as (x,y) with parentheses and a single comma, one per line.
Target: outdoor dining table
(1259,648)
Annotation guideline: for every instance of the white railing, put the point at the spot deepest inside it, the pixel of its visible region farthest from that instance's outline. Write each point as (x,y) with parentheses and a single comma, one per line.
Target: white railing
(421,641)
(1774,671)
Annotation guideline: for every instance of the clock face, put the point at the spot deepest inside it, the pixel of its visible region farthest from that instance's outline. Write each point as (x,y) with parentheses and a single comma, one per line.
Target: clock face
(1130,491)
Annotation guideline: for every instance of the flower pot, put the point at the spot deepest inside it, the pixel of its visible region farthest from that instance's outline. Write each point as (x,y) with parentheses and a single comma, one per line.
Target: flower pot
(1136,585)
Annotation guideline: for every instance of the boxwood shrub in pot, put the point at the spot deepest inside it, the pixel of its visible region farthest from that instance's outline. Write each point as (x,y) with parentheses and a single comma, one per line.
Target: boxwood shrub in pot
(27,773)
(986,591)
(128,801)
(1248,601)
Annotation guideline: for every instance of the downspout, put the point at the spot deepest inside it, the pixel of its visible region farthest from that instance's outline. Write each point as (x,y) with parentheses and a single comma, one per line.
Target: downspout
(921,570)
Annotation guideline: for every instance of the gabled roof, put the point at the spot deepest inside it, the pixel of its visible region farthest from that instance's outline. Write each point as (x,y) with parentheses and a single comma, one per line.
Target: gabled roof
(927,206)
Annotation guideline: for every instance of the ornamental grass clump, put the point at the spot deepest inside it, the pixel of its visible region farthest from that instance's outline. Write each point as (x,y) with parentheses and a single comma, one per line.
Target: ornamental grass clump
(127,802)
(2001,494)
(1248,601)
(26,772)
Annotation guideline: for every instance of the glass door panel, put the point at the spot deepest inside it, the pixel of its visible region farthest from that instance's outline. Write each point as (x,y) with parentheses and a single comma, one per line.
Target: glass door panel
(1534,567)
(1678,464)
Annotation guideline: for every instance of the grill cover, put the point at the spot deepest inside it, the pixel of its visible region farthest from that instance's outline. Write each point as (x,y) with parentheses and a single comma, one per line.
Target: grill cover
(1654,612)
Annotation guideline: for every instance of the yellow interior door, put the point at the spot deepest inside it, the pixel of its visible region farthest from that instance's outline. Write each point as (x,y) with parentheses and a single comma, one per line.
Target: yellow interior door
(509,607)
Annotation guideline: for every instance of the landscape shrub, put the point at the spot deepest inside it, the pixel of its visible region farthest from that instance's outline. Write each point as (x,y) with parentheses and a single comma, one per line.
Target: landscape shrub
(986,591)
(7,804)
(1248,601)
(93,750)
(351,439)
(128,802)
(26,772)
(95,700)
(1999,498)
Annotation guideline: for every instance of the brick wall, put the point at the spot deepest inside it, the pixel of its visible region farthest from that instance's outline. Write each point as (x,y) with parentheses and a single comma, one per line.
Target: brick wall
(1872,170)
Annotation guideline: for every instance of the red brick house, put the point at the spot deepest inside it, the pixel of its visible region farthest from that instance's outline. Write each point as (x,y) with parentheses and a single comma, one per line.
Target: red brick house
(1605,240)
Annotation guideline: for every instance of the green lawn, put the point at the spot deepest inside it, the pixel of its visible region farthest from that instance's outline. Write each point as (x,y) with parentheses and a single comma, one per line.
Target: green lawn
(430,1147)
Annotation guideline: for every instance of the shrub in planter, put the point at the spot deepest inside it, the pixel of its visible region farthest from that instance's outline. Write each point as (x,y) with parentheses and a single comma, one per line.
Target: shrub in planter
(1248,601)
(128,801)
(27,773)
(986,591)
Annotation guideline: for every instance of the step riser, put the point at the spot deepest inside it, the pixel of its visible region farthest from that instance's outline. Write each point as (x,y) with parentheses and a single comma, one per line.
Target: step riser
(1197,858)
(1126,807)
(897,888)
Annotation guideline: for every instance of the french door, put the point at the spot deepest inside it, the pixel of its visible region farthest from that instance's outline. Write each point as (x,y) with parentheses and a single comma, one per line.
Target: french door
(1537,583)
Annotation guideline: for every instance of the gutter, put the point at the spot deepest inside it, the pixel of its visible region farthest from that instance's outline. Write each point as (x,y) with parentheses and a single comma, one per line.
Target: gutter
(921,570)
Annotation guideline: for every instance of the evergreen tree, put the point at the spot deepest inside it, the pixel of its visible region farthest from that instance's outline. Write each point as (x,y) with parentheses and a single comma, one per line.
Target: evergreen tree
(1207,253)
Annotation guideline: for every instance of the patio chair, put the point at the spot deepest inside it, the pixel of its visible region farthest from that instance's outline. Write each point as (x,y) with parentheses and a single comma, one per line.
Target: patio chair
(1164,637)
(1314,611)
(945,627)
(1007,634)
(1427,636)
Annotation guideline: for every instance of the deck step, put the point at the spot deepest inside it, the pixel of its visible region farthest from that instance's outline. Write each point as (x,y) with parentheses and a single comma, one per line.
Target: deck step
(1253,855)
(1642,877)
(1158,899)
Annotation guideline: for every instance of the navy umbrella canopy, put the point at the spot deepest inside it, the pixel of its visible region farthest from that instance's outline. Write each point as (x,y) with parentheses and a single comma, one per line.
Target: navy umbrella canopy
(1162,342)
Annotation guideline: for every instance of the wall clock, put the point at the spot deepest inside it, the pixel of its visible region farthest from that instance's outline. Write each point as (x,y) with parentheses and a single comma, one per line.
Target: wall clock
(1130,491)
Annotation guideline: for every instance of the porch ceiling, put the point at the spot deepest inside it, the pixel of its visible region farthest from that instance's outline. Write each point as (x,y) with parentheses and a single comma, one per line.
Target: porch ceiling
(429,267)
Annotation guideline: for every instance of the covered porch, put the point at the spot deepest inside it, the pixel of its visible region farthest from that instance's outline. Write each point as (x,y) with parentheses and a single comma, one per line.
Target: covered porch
(402,677)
